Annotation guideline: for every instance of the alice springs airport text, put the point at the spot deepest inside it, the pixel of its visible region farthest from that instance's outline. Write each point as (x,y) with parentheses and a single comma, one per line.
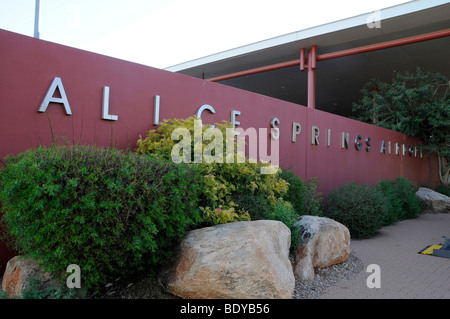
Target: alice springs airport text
(319,136)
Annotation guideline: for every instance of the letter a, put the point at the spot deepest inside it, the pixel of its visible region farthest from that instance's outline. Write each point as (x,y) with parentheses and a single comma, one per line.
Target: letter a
(74,280)
(374,20)
(374,280)
(184,145)
(56,84)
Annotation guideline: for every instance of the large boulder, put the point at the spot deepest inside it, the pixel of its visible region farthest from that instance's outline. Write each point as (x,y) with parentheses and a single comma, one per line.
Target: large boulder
(245,260)
(325,242)
(434,201)
(17,275)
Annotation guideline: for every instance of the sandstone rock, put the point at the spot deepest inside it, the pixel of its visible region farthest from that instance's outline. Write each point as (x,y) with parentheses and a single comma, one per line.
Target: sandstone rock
(243,260)
(325,242)
(434,201)
(17,274)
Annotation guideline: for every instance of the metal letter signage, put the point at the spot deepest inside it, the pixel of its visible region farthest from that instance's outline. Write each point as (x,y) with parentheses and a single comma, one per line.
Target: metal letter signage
(49,98)
(105,106)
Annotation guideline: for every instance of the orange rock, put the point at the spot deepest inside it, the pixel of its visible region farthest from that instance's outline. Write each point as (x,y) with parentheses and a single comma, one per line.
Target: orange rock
(17,274)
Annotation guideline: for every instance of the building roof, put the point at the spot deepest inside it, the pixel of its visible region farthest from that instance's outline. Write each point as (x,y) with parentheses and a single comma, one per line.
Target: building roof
(339,80)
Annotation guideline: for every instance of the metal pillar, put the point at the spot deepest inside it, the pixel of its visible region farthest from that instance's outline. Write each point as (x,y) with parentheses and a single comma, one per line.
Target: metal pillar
(312,56)
(36,18)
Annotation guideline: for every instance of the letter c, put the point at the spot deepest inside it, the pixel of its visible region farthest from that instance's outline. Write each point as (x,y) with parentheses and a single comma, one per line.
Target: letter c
(204,107)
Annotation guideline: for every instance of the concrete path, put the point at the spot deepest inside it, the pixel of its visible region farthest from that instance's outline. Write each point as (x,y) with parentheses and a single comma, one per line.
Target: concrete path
(403,272)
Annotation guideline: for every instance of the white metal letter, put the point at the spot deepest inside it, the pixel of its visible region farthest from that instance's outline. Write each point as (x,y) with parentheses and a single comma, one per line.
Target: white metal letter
(315,135)
(205,107)
(275,131)
(56,84)
(156,110)
(105,106)
(296,130)
(233,118)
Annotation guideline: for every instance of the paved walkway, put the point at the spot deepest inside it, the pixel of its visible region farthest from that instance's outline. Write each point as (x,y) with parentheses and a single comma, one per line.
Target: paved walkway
(404,272)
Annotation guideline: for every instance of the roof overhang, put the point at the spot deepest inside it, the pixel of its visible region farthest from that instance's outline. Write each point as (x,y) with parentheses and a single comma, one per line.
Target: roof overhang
(339,80)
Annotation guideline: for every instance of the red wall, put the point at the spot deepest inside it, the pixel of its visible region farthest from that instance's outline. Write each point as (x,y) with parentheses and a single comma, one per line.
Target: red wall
(28,67)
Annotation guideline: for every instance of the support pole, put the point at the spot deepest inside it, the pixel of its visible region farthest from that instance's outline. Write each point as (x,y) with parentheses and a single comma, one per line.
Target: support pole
(312,55)
(36,18)
(302,59)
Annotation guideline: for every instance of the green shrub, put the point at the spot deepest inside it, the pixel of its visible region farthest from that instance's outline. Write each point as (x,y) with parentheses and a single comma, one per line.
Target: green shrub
(303,195)
(285,213)
(296,193)
(108,211)
(256,204)
(228,187)
(39,289)
(394,206)
(313,198)
(401,199)
(221,215)
(443,189)
(360,208)
(233,191)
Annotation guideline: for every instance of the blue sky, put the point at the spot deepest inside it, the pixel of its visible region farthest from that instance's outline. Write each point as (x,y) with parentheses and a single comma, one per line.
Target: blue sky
(161,33)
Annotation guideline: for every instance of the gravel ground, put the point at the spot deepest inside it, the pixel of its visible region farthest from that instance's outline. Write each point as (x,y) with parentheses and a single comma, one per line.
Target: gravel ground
(326,277)
(148,287)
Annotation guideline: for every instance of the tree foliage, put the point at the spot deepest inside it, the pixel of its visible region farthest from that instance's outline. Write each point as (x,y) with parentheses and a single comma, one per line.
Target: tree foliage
(415,104)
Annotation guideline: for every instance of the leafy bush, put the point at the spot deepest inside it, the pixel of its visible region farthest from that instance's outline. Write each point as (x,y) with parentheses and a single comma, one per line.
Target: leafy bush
(313,198)
(360,208)
(256,204)
(296,193)
(108,211)
(443,189)
(285,213)
(39,289)
(401,199)
(221,215)
(303,195)
(228,187)
(394,207)
(233,191)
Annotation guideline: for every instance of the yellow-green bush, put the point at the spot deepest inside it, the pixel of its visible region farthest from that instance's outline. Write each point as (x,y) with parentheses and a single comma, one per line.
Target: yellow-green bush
(223,182)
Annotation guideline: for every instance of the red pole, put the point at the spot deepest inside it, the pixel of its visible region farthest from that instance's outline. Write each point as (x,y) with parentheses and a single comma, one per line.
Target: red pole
(385,45)
(312,77)
(302,59)
(332,55)
(254,71)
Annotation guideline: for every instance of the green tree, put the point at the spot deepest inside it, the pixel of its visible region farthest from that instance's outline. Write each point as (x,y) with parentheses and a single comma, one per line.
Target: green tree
(415,104)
